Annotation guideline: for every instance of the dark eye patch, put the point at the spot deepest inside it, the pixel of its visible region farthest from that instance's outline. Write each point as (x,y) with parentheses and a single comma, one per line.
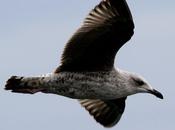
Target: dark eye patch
(138,82)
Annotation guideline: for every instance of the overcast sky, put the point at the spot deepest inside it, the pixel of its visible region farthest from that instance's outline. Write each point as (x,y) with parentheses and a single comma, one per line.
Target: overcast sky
(32,36)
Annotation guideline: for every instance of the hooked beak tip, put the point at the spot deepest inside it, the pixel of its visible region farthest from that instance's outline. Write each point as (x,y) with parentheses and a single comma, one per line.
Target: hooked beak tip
(156,93)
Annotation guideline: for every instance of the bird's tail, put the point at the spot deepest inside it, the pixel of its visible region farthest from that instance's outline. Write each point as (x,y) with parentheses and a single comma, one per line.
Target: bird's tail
(23,85)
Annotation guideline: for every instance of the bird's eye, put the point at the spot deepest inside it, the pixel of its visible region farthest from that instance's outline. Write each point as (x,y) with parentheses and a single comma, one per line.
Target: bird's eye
(139,82)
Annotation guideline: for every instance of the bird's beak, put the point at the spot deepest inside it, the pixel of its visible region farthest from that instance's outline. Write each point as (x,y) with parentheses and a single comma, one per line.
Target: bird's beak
(156,93)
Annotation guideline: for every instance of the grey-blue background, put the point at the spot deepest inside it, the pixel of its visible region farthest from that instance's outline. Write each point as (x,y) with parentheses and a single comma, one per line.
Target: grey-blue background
(32,36)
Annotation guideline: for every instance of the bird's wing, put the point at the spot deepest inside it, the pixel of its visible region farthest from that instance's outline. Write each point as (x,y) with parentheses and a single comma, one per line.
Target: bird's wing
(94,46)
(107,113)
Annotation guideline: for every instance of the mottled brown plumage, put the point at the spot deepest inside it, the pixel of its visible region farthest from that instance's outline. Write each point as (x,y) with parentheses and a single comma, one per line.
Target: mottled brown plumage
(87,69)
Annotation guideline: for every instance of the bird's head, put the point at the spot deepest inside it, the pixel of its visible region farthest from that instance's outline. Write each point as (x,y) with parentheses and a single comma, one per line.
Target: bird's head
(142,85)
(139,85)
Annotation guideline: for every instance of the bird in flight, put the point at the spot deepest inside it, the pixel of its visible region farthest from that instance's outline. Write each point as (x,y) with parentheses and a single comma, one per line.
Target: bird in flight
(87,71)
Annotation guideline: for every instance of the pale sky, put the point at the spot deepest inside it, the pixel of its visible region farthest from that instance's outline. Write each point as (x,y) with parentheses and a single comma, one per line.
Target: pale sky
(32,37)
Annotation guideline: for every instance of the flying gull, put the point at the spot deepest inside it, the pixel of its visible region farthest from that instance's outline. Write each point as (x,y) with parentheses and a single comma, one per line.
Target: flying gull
(87,70)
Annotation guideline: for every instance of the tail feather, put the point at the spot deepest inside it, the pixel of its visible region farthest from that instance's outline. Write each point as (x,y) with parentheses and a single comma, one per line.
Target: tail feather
(17,85)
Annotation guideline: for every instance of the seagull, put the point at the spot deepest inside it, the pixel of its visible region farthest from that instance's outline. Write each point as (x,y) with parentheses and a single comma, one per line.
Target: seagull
(87,71)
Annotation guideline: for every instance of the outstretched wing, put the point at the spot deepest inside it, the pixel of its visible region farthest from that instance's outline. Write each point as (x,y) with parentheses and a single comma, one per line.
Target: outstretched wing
(107,113)
(94,46)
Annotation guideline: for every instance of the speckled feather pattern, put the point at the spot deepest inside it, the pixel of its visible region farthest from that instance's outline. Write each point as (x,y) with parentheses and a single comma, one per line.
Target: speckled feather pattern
(81,85)
(87,69)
